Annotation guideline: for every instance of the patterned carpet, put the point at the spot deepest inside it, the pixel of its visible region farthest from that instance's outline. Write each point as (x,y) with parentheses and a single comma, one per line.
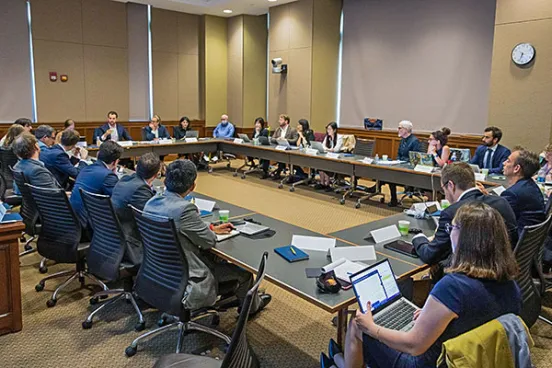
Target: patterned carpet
(289,333)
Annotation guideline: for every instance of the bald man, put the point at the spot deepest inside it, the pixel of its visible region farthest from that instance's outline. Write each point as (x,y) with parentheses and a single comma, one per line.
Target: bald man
(224,129)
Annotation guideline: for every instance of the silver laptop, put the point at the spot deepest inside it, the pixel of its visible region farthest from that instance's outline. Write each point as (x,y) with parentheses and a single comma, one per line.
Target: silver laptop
(475,168)
(250,228)
(317,146)
(244,137)
(192,134)
(283,142)
(377,284)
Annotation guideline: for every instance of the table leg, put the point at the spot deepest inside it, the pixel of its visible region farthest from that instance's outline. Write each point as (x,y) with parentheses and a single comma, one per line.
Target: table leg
(341,325)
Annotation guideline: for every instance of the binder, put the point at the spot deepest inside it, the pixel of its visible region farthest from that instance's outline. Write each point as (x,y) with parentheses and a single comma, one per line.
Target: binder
(288,255)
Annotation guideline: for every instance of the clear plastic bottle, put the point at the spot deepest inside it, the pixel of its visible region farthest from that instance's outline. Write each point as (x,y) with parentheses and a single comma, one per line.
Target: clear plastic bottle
(376,159)
(541,176)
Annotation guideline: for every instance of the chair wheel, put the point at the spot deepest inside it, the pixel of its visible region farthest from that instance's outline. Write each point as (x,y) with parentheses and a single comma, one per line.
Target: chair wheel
(280,186)
(235,174)
(382,200)
(130,351)
(162,322)
(228,165)
(94,301)
(210,170)
(51,302)
(342,201)
(28,247)
(39,287)
(86,325)
(215,321)
(140,326)
(43,269)
(292,189)
(357,205)
(243,176)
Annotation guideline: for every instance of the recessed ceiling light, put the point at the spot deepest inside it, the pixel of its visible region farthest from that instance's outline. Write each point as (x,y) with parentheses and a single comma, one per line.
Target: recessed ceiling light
(272,1)
(227,11)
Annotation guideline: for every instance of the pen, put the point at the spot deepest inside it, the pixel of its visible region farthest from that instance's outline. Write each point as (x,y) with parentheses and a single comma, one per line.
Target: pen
(292,250)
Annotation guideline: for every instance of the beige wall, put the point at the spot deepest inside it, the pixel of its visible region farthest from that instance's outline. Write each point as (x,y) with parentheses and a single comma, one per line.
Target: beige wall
(216,68)
(521,99)
(235,70)
(91,49)
(175,58)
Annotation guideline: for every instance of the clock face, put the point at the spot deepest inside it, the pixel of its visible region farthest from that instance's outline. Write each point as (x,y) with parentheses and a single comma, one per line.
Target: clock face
(523,53)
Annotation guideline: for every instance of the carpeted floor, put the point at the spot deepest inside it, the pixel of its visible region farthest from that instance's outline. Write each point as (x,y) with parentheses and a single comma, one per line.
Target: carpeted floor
(289,333)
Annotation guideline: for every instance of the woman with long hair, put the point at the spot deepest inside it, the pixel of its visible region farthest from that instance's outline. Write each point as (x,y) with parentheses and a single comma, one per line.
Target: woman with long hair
(438,146)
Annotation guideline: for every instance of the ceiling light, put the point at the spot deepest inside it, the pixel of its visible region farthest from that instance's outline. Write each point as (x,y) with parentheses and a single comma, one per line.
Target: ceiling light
(227,11)
(272,1)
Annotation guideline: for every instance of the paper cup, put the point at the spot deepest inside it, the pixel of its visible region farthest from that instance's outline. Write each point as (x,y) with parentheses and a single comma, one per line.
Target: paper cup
(485,172)
(224,215)
(384,157)
(404,226)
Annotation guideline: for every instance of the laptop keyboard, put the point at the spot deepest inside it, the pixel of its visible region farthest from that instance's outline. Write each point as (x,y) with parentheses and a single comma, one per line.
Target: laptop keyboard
(398,317)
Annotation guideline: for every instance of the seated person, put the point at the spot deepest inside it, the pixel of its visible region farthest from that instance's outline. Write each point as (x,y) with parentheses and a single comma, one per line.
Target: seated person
(224,129)
(26,149)
(46,136)
(111,131)
(546,169)
(479,287)
(523,194)
(259,130)
(135,190)
(155,130)
(491,155)
(286,132)
(65,160)
(13,131)
(196,238)
(25,123)
(179,131)
(306,136)
(438,147)
(98,178)
(69,124)
(332,143)
(458,183)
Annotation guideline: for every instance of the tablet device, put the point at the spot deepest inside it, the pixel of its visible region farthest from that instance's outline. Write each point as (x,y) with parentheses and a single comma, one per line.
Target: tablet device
(402,247)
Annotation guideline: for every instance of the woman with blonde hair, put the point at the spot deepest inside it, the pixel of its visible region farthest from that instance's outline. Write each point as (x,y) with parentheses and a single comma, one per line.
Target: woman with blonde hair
(13,132)
(155,130)
(478,287)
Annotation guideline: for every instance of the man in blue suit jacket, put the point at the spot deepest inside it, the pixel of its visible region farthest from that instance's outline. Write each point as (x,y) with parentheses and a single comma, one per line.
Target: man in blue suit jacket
(99,178)
(491,155)
(523,194)
(135,190)
(111,131)
(155,130)
(26,149)
(65,160)
(46,136)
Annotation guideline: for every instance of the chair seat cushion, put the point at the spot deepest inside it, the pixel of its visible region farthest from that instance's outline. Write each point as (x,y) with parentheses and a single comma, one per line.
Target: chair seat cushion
(187,360)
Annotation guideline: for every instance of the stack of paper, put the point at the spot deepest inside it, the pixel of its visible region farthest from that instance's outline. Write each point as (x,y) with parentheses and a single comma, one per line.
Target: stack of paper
(313,243)
(359,253)
(344,268)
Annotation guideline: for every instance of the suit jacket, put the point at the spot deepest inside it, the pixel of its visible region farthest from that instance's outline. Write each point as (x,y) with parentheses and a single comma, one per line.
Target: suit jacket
(439,249)
(121,131)
(291,135)
(43,146)
(527,201)
(179,133)
(497,163)
(36,174)
(195,238)
(262,133)
(133,190)
(58,162)
(149,136)
(96,178)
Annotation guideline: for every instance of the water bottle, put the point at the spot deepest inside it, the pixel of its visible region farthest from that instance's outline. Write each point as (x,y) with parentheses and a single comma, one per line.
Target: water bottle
(376,159)
(541,177)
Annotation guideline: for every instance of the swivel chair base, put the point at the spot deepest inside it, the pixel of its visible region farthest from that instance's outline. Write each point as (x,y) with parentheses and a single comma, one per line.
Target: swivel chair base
(120,294)
(252,168)
(28,247)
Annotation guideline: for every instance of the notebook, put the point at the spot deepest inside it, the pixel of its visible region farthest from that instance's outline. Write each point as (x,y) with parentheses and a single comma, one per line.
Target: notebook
(231,234)
(289,255)
(6,218)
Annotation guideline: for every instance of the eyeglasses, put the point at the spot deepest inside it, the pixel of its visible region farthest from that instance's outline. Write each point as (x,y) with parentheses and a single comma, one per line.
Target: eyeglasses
(450,227)
(444,185)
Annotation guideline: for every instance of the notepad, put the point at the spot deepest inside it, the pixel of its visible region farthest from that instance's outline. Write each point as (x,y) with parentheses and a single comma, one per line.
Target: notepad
(289,255)
(222,237)
(313,243)
(344,268)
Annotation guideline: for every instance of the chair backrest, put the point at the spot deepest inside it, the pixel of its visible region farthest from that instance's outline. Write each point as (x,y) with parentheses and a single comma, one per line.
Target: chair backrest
(143,132)
(163,276)
(424,146)
(526,252)
(28,208)
(365,147)
(239,354)
(60,233)
(548,207)
(319,137)
(7,159)
(108,243)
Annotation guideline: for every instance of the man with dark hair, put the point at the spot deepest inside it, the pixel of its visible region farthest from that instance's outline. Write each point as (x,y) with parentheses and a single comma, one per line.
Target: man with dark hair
(46,136)
(111,131)
(523,193)
(491,155)
(65,160)
(458,183)
(196,238)
(135,190)
(26,149)
(98,178)
(284,131)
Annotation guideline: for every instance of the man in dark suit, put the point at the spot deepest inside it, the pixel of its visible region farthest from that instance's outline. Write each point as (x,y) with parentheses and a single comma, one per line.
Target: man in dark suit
(523,194)
(491,155)
(26,149)
(155,131)
(135,190)
(46,136)
(65,160)
(458,183)
(98,178)
(111,131)
(284,131)
(196,238)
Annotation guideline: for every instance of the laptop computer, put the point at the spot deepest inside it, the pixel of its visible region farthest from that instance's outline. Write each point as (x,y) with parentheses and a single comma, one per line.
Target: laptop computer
(475,168)
(460,154)
(244,137)
(192,134)
(377,284)
(317,146)
(250,228)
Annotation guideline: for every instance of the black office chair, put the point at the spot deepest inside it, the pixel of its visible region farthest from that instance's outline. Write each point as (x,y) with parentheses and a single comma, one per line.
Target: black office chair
(526,253)
(411,192)
(8,159)
(163,278)
(106,253)
(27,211)
(59,238)
(239,353)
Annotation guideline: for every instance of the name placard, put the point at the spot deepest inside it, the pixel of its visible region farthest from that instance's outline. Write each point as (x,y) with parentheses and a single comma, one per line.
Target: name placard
(190,140)
(424,169)
(238,140)
(281,148)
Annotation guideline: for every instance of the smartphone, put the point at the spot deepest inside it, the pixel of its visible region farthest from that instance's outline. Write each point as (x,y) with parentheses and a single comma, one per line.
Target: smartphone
(402,247)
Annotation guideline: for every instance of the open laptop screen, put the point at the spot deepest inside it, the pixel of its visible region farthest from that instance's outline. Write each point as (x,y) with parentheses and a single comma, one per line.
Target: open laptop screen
(375,284)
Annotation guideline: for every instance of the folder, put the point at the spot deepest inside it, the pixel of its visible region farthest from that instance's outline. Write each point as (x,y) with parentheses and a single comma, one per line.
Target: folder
(289,256)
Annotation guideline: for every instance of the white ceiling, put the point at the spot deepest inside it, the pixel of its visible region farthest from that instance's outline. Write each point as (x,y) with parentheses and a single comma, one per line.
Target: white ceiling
(213,7)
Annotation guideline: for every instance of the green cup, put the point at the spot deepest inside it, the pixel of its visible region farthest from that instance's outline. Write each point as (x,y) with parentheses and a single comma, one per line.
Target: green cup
(224,216)
(404,226)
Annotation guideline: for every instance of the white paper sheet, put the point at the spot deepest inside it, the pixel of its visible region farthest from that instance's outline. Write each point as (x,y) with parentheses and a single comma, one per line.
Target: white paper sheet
(312,243)
(358,253)
(499,190)
(204,205)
